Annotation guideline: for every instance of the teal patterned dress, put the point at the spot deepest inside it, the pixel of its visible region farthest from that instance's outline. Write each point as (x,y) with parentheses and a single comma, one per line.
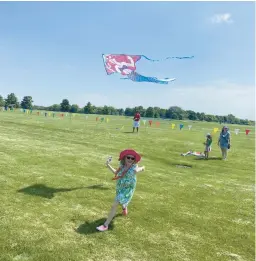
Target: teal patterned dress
(125,186)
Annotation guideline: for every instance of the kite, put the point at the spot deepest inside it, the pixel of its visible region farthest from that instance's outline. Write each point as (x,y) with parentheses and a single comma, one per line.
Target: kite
(125,65)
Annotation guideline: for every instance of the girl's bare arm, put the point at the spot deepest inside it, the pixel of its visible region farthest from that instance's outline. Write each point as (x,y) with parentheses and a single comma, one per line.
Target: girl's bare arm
(111,168)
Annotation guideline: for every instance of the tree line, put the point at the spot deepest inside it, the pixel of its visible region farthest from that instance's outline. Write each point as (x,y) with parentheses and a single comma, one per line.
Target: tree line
(173,112)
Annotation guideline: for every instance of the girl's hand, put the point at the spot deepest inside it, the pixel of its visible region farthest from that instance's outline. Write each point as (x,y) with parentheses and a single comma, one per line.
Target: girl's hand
(108,160)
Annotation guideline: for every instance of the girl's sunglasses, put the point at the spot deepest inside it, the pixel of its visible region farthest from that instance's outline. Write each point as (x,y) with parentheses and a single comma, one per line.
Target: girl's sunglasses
(131,158)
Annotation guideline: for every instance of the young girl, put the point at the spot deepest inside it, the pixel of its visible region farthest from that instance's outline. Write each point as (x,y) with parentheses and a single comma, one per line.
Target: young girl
(126,179)
(207,144)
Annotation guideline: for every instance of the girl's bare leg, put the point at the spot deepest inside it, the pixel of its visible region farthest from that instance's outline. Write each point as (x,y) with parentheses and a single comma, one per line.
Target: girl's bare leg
(111,213)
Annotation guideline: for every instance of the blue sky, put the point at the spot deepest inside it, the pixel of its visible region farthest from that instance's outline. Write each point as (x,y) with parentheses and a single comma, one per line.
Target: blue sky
(53,50)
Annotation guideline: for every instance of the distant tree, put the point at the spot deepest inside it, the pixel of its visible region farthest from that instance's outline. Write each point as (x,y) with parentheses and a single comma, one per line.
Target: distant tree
(65,106)
(27,103)
(184,115)
(191,115)
(225,119)
(80,110)
(93,109)
(217,118)
(231,119)
(12,100)
(99,110)
(106,110)
(150,112)
(120,111)
(220,119)
(2,102)
(162,113)
(129,112)
(175,112)
(55,107)
(39,107)
(209,117)
(74,108)
(88,109)
(244,122)
(112,110)
(200,116)
(157,112)
(237,121)
(140,109)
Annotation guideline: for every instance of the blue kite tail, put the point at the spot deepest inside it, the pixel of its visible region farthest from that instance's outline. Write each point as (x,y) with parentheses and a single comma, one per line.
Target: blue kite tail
(140,78)
(167,58)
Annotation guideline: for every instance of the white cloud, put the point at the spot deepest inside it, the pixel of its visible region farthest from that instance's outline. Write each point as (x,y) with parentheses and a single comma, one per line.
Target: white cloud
(221,18)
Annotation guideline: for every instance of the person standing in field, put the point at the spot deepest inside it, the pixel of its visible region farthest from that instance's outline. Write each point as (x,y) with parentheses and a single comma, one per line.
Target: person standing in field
(207,144)
(126,179)
(224,142)
(136,121)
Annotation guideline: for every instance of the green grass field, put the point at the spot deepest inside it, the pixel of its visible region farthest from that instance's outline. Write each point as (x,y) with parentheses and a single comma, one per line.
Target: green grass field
(55,190)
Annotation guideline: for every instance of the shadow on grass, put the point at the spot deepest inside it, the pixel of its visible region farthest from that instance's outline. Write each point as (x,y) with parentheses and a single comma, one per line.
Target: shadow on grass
(128,132)
(47,192)
(210,158)
(90,227)
(183,166)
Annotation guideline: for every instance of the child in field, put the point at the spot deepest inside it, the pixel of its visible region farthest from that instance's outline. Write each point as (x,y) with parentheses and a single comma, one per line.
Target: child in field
(207,144)
(126,179)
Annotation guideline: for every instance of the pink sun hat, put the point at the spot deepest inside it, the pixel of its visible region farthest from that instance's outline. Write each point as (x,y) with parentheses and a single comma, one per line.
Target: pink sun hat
(130,152)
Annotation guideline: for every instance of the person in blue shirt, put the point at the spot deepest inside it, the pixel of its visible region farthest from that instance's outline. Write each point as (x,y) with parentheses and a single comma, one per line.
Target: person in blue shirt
(224,142)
